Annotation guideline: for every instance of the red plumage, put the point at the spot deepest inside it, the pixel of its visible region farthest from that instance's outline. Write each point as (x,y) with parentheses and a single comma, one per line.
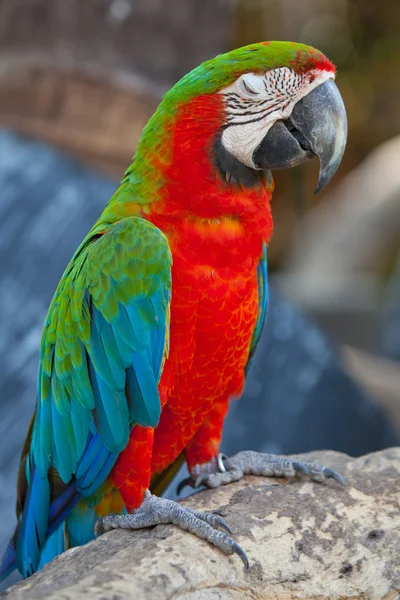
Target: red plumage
(216,233)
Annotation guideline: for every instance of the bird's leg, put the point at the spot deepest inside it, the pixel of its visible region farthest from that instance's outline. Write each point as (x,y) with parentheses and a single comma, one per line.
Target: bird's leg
(222,470)
(156,511)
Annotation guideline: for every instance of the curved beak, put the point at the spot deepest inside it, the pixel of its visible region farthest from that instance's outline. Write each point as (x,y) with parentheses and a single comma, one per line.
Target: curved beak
(316,127)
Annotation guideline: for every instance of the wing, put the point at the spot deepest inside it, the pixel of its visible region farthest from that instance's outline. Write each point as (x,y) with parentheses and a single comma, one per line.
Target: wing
(262,278)
(103,345)
(102,353)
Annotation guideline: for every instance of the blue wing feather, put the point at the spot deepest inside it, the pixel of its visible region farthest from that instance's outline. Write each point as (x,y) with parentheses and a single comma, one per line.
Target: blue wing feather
(32,530)
(55,545)
(262,278)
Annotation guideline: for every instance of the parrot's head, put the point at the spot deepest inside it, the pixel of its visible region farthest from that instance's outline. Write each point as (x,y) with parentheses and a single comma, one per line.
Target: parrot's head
(208,150)
(280,106)
(284,109)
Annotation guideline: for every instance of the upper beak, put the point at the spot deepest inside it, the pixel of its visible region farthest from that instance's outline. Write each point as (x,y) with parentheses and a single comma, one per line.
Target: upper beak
(316,127)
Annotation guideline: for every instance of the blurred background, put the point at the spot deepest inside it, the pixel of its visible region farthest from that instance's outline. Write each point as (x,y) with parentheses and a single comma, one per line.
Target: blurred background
(78,80)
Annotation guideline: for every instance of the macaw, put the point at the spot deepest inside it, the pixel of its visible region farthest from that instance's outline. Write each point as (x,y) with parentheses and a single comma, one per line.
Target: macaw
(156,318)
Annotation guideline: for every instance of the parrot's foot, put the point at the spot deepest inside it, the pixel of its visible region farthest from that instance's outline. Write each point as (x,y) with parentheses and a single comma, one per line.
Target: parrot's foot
(224,470)
(156,511)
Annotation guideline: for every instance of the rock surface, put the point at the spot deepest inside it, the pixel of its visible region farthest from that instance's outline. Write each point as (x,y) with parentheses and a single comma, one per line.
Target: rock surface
(304,540)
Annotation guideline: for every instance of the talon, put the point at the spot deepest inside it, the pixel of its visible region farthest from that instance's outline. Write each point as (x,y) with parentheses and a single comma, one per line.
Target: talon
(223,524)
(199,481)
(330,473)
(221,462)
(220,512)
(242,554)
(193,483)
(182,484)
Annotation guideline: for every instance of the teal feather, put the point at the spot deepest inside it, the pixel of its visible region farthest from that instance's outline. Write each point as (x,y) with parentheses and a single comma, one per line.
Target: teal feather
(59,394)
(158,347)
(33,524)
(141,331)
(80,419)
(97,476)
(125,350)
(81,526)
(91,466)
(54,546)
(95,464)
(113,353)
(61,506)
(64,445)
(93,447)
(43,438)
(81,385)
(111,413)
(123,328)
(142,391)
(100,361)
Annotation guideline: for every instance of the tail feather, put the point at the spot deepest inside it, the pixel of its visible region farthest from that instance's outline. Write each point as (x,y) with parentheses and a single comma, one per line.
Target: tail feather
(56,544)
(32,530)
(80,524)
(62,506)
(40,534)
(8,563)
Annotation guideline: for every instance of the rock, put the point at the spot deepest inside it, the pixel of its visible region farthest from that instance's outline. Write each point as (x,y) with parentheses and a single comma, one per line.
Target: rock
(304,540)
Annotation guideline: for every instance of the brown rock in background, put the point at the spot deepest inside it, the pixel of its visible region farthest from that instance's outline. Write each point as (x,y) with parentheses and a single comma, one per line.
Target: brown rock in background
(86,77)
(97,122)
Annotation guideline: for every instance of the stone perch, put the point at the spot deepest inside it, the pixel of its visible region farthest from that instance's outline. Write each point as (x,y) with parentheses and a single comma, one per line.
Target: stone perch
(304,540)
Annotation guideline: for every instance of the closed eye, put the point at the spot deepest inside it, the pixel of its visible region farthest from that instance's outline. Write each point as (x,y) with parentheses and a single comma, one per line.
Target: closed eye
(248,89)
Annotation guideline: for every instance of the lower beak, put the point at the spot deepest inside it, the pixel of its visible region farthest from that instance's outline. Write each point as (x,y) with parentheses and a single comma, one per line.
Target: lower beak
(316,127)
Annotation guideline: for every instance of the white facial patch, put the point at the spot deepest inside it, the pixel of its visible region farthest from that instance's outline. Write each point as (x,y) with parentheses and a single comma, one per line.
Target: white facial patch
(255,102)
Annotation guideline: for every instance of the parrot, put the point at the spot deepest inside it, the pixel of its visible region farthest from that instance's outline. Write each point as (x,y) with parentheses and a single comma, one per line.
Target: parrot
(154,323)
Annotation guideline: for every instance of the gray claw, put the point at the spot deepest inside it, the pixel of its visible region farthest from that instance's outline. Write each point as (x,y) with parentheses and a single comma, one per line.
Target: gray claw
(330,473)
(199,480)
(316,472)
(221,523)
(212,519)
(182,484)
(242,554)
(193,483)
